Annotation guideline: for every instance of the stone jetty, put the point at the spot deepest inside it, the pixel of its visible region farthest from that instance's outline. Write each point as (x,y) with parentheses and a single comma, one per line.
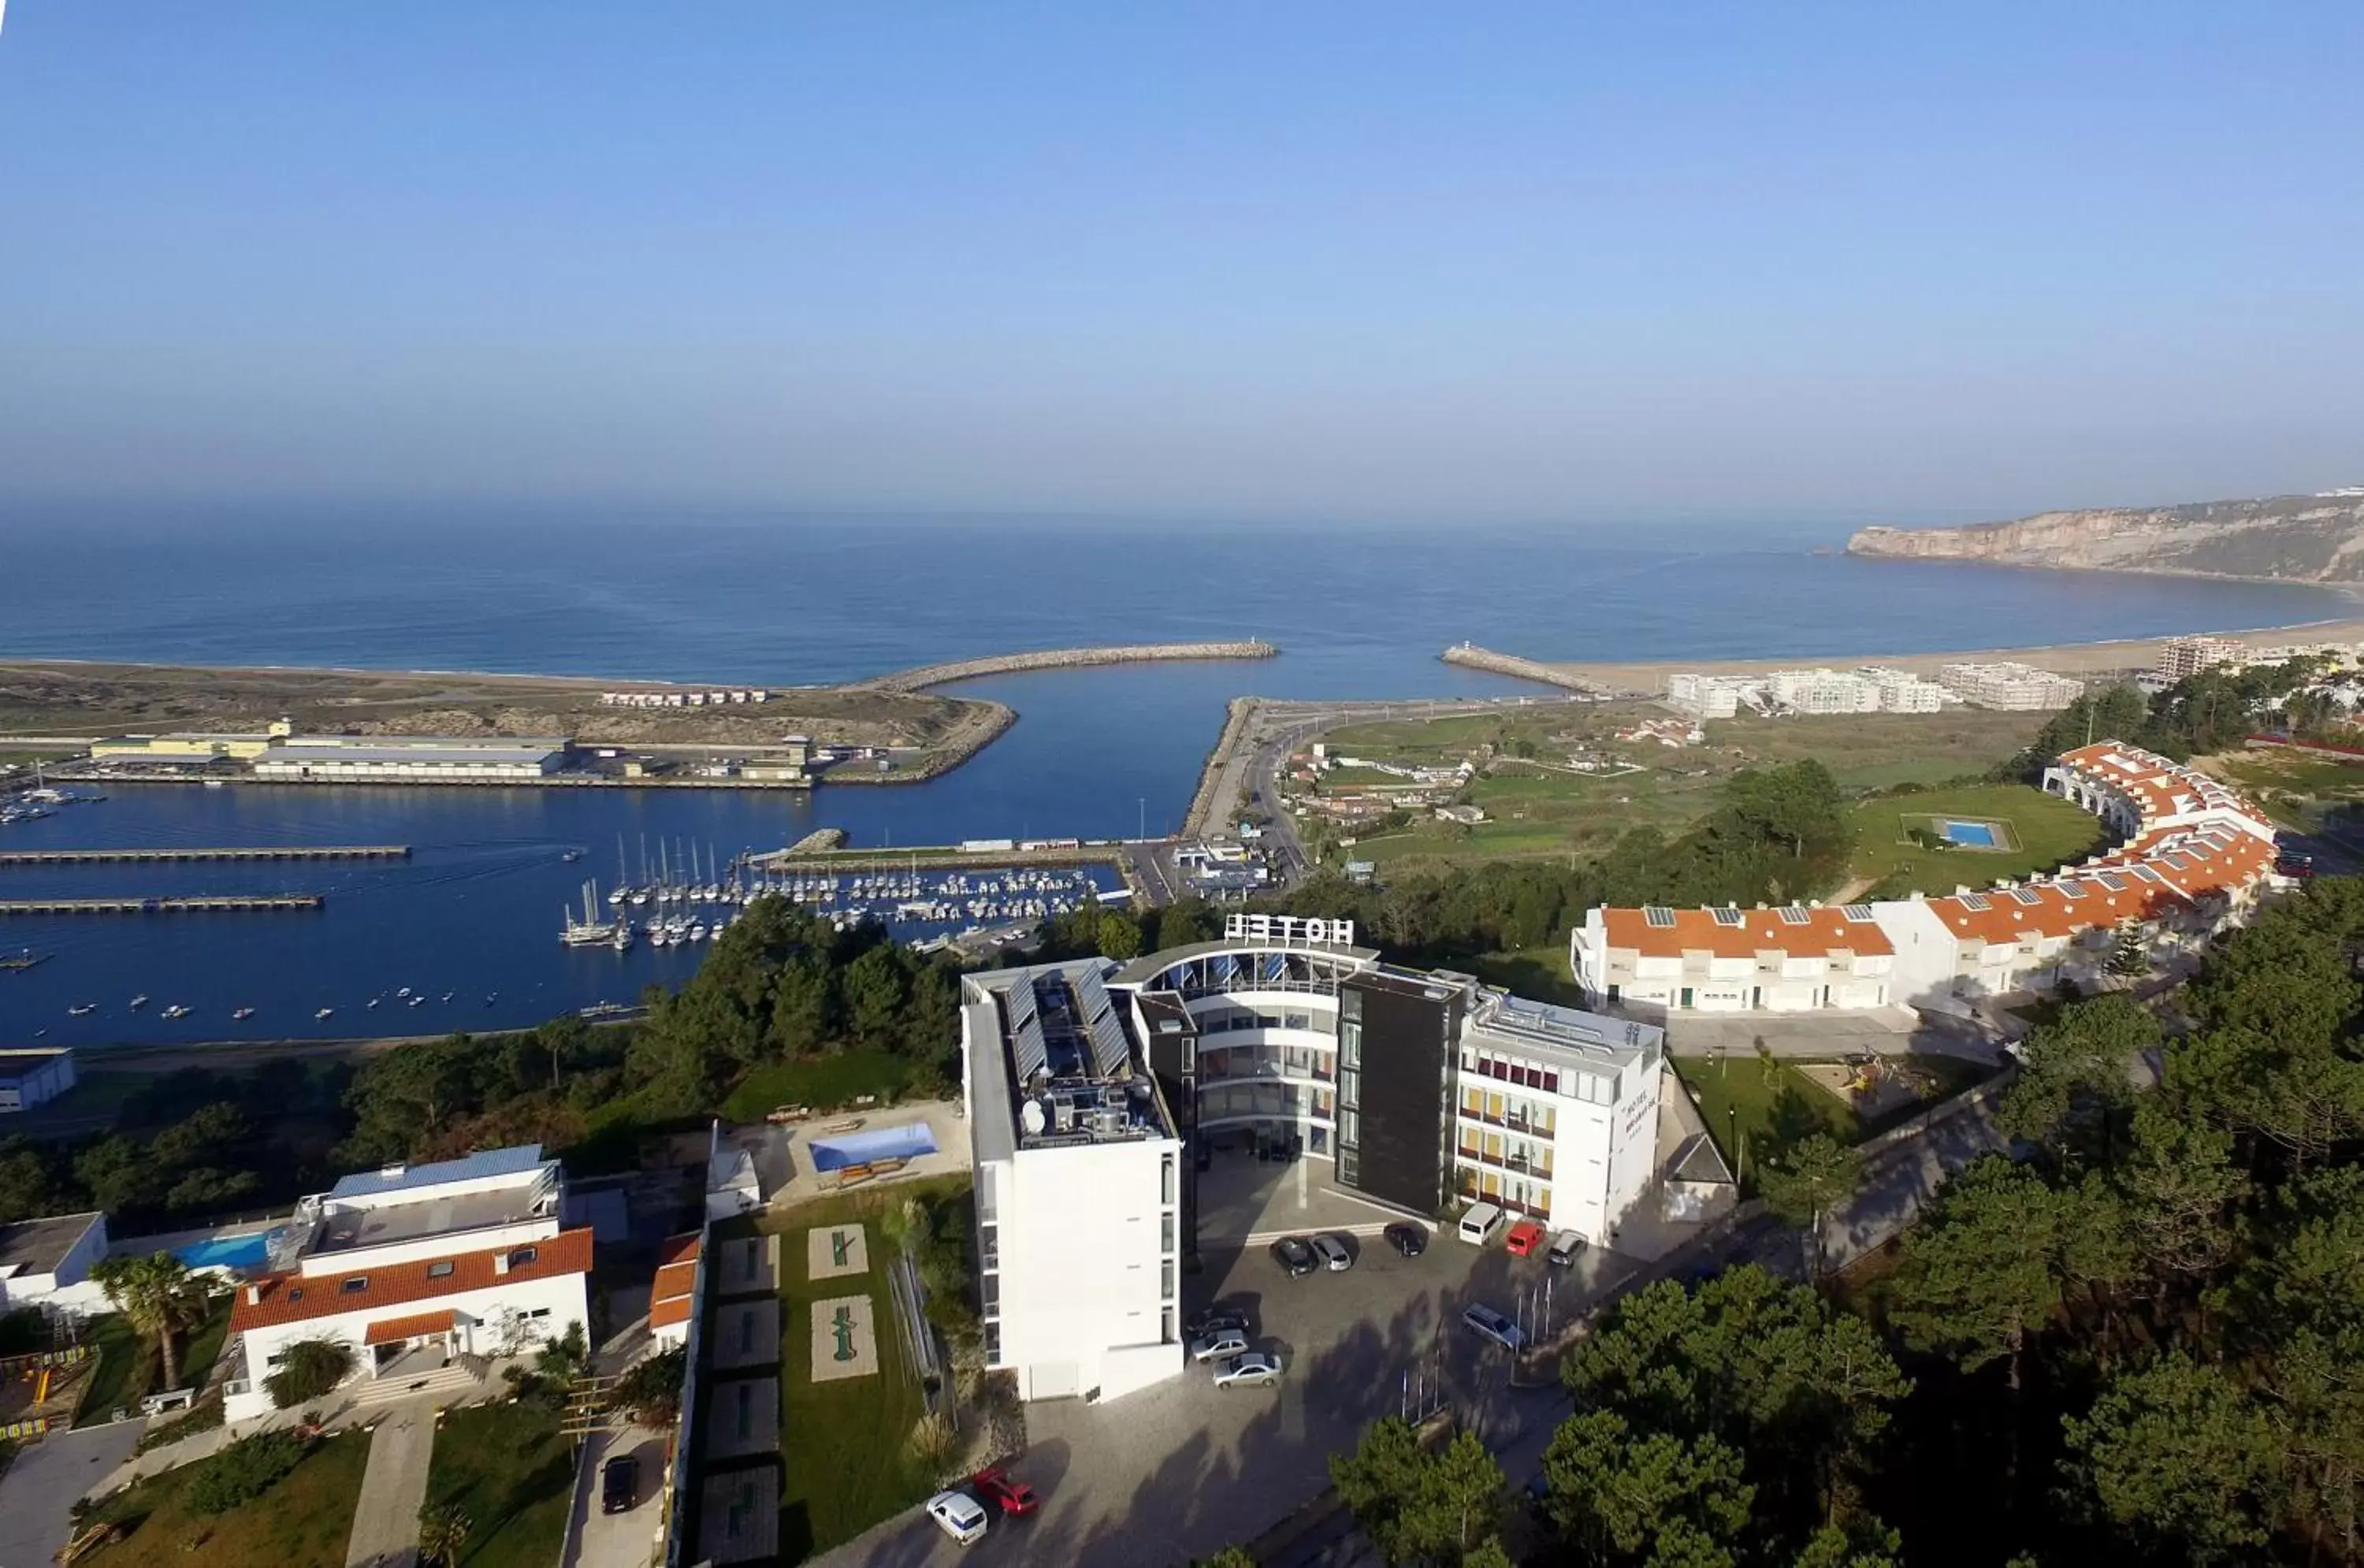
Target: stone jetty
(928,675)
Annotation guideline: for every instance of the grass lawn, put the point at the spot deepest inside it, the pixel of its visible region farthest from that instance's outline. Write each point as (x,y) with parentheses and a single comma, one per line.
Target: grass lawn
(1878,750)
(127,1370)
(824,1083)
(848,1464)
(1538,973)
(2049,832)
(303,1522)
(1755,1109)
(510,1472)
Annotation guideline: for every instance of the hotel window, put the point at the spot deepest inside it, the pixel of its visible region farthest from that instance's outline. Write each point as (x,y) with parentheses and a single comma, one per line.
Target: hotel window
(1350,1043)
(1165,1281)
(1166,1179)
(1166,1230)
(1350,1129)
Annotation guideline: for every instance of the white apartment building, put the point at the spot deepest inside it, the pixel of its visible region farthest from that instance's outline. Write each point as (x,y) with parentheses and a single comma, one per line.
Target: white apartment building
(1079,1187)
(1556,1113)
(2008,685)
(1823,691)
(1705,697)
(1902,691)
(2182,656)
(413,1266)
(1731,960)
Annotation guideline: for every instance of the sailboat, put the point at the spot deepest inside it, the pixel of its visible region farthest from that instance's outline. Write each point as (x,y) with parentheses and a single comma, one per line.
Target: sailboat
(590,930)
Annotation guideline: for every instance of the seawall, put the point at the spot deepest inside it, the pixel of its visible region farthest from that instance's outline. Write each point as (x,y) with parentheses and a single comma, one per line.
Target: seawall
(927,676)
(1237,715)
(1470,656)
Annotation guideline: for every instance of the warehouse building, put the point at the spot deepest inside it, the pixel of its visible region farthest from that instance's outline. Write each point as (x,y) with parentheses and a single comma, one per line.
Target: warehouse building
(402,758)
(35,1075)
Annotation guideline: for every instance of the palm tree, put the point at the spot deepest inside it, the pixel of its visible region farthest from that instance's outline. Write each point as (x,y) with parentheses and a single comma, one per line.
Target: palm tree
(158,1296)
(443,1533)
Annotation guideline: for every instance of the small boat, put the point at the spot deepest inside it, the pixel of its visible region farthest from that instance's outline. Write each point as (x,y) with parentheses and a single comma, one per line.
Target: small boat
(376,1000)
(82,1009)
(139,1001)
(416,1001)
(571,855)
(242,1012)
(449,994)
(176,1011)
(404,991)
(324,1012)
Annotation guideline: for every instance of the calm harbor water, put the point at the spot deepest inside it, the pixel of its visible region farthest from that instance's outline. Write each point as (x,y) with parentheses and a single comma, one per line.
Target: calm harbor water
(1095,753)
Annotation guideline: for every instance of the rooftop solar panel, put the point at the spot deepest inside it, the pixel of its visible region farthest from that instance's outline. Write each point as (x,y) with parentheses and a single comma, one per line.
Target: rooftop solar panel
(1110,1050)
(1729,917)
(1859,912)
(2026,895)
(1974,901)
(1032,1053)
(1658,915)
(1791,915)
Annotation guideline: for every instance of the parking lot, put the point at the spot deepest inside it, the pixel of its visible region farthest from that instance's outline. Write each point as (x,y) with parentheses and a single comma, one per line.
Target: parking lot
(1182,1469)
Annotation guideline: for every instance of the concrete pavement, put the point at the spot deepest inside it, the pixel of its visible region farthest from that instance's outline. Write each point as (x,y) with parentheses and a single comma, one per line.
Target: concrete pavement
(597,1539)
(394,1488)
(46,1478)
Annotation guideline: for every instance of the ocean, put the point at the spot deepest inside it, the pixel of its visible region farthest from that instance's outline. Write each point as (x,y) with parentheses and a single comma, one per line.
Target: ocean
(784,601)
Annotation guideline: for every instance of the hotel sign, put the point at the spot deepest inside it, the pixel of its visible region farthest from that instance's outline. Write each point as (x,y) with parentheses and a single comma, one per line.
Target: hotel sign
(1288,930)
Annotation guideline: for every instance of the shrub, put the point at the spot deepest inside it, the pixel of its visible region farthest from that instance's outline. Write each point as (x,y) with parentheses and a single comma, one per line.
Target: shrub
(243,1472)
(650,1392)
(308,1370)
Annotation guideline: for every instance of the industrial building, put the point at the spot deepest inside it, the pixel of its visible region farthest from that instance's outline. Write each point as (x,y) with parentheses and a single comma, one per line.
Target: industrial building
(2008,685)
(414,1267)
(35,1075)
(1097,1092)
(402,758)
(2192,856)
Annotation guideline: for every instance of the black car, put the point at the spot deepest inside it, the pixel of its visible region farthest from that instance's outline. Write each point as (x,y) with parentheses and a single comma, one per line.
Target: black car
(619,1485)
(1293,1255)
(1214,1320)
(1411,1240)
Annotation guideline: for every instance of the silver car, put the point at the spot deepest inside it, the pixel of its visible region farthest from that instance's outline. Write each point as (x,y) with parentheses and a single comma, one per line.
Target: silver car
(1493,1325)
(1254,1370)
(1221,1346)
(1333,1254)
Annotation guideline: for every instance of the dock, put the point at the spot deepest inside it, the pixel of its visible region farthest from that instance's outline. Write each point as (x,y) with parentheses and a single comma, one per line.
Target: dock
(177,904)
(247,852)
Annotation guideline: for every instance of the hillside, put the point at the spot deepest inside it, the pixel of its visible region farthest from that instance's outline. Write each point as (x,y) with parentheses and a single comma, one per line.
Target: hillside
(2305,539)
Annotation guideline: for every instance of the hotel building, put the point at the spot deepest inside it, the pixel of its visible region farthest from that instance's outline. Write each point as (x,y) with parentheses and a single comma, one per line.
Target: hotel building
(2010,686)
(1096,1093)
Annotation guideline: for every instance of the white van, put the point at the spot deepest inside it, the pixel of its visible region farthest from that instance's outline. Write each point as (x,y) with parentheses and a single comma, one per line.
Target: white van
(1481,1224)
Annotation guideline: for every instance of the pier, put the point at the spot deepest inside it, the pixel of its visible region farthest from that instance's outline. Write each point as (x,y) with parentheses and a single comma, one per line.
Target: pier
(254,852)
(177,904)
(1062,659)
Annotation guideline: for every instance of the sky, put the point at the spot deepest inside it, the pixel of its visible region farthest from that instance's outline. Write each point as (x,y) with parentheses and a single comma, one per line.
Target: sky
(1590,262)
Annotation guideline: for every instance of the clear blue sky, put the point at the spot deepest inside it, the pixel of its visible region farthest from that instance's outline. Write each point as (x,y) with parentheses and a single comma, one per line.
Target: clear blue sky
(1583,262)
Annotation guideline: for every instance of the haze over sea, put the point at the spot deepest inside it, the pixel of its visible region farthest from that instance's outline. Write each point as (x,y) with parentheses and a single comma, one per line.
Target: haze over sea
(781,601)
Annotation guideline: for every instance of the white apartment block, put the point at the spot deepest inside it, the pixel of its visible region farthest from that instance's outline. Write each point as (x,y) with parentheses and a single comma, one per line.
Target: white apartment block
(1900,690)
(1823,691)
(2008,685)
(2182,656)
(1079,1187)
(414,1266)
(1706,697)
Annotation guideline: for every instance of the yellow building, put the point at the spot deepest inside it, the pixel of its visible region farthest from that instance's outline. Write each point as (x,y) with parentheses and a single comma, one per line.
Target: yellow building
(184,745)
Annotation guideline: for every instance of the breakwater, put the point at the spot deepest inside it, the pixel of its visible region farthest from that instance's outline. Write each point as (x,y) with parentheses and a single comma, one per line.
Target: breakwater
(1238,715)
(255,852)
(927,676)
(1471,657)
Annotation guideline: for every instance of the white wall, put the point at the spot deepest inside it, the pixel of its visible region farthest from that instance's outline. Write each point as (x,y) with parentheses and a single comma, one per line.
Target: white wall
(1085,1268)
(442,1244)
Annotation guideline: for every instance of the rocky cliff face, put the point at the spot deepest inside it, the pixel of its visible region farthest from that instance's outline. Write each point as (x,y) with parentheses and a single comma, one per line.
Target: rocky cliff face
(2307,539)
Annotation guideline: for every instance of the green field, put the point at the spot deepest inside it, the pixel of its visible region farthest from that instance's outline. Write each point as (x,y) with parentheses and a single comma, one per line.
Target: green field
(303,1522)
(1755,1108)
(1537,807)
(2047,831)
(847,1462)
(824,1083)
(2297,790)
(508,1469)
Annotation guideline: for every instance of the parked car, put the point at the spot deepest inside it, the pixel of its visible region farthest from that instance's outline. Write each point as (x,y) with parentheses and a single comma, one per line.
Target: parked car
(995,1488)
(1214,1320)
(619,1485)
(1524,1238)
(959,1515)
(1334,1254)
(1490,1324)
(1411,1240)
(1220,1346)
(1254,1370)
(1563,1248)
(1293,1255)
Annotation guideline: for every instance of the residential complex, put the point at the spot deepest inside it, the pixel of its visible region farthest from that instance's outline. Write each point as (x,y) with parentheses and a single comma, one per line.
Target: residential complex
(1096,1093)
(2192,856)
(2182,656)
(1871,689)
(2010,685)
(412,1266)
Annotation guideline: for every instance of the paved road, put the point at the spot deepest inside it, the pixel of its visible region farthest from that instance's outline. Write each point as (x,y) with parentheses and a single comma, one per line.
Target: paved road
(44,1481)
(394,1487)
(597,1539)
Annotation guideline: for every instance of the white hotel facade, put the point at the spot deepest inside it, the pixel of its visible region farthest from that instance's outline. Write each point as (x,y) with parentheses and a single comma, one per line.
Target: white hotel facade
(1096,1092)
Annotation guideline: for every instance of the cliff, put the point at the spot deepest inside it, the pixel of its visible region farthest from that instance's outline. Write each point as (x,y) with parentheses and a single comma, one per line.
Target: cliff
(2304,538)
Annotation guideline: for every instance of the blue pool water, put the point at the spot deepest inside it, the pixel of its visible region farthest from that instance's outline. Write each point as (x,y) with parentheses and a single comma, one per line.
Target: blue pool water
(248,1252)
(1976,835)
(908,1142)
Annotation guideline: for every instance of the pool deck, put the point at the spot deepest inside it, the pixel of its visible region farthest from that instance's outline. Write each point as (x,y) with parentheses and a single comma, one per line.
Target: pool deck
(784,1157)
(174,1240)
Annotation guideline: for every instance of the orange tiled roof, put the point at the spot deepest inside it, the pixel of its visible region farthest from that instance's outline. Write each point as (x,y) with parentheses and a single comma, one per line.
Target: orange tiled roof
(665,1314)
(295,1298)
(1745,933)
(389,1330)
(680,1248)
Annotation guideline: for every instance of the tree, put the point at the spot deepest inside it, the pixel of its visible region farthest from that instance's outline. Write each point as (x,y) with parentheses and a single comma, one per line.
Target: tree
(159,1296)
(308,1370)
(870,989)
(443,1533)
(1120,938)
(649,1390)
(1806,1183)
(1977,1274)
(2075,1073)
(2129,951)
(1616,1493)
(2178,1459)
(1416,1506)
(1867,1544)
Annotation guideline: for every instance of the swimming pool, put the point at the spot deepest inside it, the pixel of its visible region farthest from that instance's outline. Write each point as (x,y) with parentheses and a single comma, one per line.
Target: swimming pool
(908,1142)
(250,1250)
(1976,835)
